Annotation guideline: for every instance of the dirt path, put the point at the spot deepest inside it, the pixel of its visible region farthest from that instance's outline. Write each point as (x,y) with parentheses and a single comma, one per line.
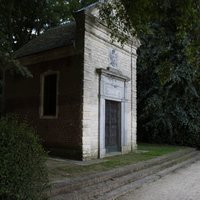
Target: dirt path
(183,184)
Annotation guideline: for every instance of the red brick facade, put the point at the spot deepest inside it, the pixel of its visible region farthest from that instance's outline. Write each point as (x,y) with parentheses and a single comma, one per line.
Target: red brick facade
(62,135)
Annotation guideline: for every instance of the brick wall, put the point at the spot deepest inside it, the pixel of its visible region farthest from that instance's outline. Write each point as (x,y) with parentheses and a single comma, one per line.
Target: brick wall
(61,135)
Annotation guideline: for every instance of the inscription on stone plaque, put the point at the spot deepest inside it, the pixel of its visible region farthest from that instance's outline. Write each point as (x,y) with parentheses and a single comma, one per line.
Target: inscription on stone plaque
(113,91)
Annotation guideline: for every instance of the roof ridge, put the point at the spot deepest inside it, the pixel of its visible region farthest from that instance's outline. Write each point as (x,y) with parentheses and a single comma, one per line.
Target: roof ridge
(61,26)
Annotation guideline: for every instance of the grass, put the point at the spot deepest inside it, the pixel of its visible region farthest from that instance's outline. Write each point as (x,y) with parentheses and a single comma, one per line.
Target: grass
(144,152)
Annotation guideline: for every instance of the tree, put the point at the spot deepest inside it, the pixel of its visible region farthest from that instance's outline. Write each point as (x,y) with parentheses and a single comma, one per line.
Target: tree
(168,59)
(21,21)
(168,65)
(23,170)
(8,65)
(136,17)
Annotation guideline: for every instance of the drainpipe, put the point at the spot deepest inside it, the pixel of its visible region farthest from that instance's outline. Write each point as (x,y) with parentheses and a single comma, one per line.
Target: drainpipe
(132,97)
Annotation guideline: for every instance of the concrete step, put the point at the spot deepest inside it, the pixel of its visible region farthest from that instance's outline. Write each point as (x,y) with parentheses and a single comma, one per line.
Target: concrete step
(114,194)
(93,186)
(111,184)
(63,186)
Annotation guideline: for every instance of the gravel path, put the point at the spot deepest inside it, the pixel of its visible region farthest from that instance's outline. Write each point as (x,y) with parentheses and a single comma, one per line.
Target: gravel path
(183,184)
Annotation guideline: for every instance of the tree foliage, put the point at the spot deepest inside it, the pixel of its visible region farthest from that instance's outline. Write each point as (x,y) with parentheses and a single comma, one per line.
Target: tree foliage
(168,59)
(21,21)
(23,172)
(168,92)
(168,65)
(8,65)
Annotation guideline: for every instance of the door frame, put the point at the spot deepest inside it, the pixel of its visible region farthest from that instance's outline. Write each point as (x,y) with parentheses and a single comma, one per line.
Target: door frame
(112,86)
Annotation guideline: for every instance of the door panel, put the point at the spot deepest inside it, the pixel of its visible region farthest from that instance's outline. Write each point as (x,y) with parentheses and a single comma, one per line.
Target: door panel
(112,126)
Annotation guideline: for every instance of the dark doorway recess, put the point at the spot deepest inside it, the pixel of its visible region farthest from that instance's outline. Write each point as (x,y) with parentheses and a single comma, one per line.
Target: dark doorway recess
(112,126)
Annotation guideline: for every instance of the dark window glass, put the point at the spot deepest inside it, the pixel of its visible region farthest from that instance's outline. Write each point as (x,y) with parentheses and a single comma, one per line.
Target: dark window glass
(50,95)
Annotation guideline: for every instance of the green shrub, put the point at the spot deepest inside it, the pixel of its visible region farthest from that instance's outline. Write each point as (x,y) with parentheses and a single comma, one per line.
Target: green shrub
(23,173)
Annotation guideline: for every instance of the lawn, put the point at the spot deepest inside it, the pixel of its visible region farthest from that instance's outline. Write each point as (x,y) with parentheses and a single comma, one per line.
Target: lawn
(59,169)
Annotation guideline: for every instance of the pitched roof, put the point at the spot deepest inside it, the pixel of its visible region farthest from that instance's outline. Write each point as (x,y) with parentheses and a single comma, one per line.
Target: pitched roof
(53,38)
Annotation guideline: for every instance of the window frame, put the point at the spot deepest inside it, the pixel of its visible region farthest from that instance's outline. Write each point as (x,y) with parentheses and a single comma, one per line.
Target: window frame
(41,109)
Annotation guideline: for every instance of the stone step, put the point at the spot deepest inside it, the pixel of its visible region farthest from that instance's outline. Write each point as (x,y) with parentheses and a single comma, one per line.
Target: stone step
(105,187)
(85,181)
(120,181)
(114,194)
(95,184)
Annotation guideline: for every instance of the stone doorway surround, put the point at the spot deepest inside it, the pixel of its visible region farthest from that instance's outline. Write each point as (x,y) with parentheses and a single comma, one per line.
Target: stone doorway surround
(112,86)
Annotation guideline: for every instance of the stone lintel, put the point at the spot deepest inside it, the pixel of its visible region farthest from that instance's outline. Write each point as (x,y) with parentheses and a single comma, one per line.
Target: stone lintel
(113,72)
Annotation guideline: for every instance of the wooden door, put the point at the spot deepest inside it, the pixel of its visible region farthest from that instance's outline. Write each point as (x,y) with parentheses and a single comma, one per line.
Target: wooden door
(112,126)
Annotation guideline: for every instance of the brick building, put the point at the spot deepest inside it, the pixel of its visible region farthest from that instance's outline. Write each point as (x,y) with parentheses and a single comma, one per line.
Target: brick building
(82,97)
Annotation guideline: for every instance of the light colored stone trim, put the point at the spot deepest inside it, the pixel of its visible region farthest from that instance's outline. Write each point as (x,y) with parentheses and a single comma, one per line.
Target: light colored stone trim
(104,79)
(41,109)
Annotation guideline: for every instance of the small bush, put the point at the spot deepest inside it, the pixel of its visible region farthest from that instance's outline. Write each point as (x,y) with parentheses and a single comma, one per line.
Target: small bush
(23,174)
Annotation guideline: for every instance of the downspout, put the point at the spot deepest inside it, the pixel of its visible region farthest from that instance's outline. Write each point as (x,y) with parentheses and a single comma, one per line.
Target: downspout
(132,97)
